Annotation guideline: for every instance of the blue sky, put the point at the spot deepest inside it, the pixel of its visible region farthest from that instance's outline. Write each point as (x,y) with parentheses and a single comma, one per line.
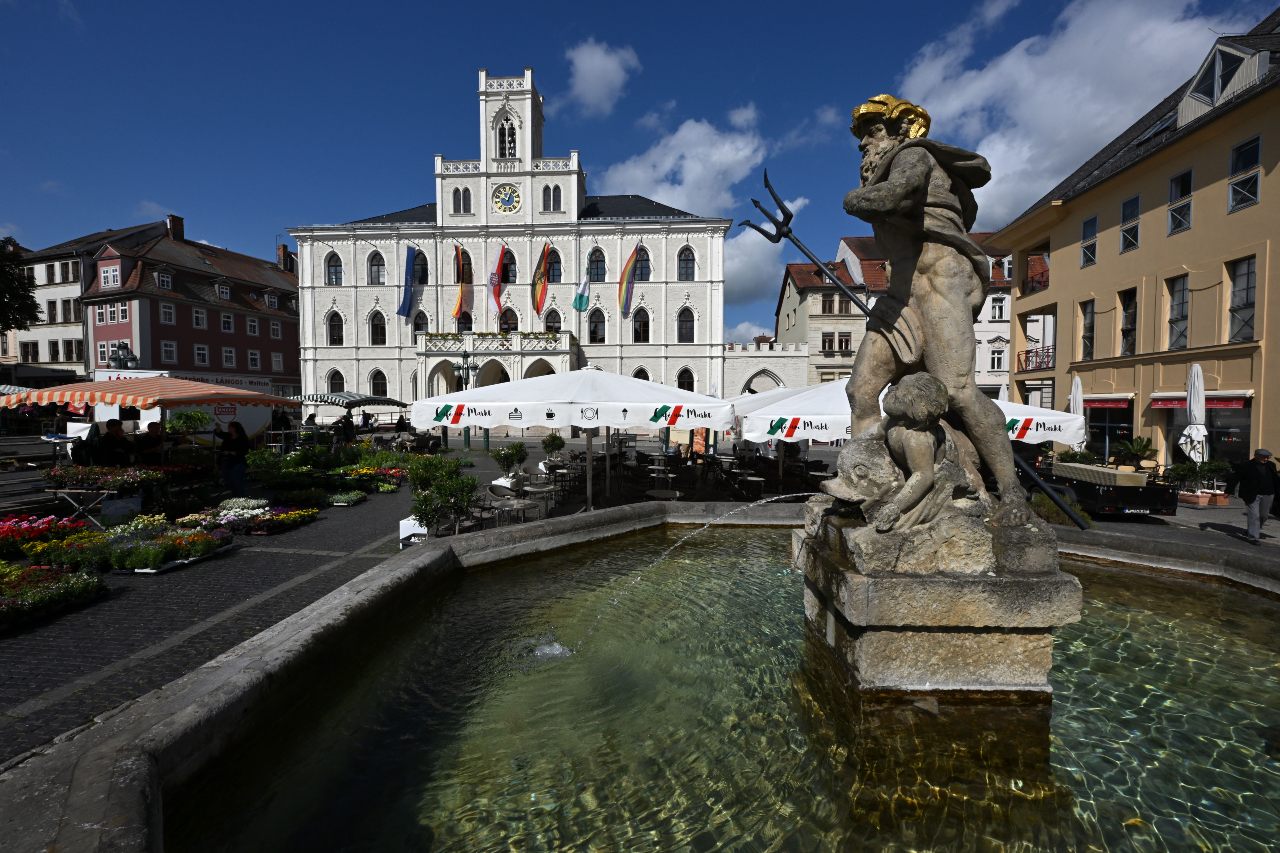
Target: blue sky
(251,118)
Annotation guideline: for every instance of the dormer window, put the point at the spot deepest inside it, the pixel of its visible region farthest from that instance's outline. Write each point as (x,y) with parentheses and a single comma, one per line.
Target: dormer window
(111,276)
(164,281)
(1216,76)
(224,291)
(273,301)
(506,138)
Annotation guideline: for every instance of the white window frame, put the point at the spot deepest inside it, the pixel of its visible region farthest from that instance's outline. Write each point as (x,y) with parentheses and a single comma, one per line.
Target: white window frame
(1089,248)
(1180,208)
(111,276)
(999,309)
(251,326)
(200,353)
(164,281)
(229,357)
(102,352)
(1130,233)
(169,352)
(228,323)
(997,361)
(277,362)
(112,313)
(277,330)
(199,318)
(224,291)
(169,310)
(273,301)
(254,359)
(124,312)
(1238,180)
(99,314)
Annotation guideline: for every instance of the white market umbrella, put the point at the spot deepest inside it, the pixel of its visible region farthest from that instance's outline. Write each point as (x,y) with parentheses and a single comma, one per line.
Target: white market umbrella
(587,398)
(822,413)
(1075,405)
(1193,438)
(1004,393)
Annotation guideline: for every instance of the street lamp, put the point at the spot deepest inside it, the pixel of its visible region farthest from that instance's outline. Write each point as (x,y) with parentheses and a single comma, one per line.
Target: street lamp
(464,369)
(122,358)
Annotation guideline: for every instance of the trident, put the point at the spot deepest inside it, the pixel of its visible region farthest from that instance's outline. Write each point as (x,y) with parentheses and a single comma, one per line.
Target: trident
(782,230)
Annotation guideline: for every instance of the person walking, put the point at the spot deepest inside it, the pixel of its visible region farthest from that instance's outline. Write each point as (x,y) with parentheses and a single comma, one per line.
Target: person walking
(1259,482)
(232,455)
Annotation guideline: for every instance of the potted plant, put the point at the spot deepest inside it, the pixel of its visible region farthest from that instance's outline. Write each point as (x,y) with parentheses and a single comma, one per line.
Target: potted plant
(1211,471)
(511,456)
(552,444)
(1134,452)
(441,492)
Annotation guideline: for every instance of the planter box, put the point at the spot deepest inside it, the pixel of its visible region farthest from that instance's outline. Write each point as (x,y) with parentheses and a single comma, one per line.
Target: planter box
(174,564)
(1219,499)
(1193,499)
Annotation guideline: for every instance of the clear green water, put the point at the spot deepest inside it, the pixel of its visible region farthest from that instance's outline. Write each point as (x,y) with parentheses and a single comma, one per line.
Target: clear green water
(695,715)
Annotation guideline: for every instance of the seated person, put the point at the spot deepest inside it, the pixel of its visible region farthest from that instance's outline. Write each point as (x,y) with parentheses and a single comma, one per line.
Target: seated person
(113,447)
(148,445)
(402,425)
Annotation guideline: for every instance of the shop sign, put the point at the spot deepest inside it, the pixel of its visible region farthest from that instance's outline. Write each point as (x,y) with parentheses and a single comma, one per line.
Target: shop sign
(1209,403)
(1107,404)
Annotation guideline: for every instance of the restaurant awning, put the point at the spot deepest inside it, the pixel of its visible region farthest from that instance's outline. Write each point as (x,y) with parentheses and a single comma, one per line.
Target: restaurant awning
(144,393)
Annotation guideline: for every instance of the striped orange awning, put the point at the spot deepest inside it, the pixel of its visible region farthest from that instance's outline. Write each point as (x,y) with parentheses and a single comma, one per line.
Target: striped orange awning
(144,394)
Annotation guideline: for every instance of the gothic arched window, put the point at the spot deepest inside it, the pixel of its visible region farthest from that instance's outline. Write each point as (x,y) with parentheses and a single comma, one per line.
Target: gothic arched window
(464,322)
(684,380)
(335,329)
(507,138)
(508,322)
(462,275)
(457,200)
(640,326)
(552,321)
(595,327)
(420,273)
(684,326)
(641,373)
(685,265)
(378,383)
(377,329)
(596,270)
(508,267)
(643,269)
(413,384)
(555,199)
(377,269)
(336,383)
(555,270)
(420,323)
(333,270)
(466,200)
(546,198)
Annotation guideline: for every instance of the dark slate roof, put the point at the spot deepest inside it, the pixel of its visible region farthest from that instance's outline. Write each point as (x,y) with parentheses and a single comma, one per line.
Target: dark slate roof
(89,244)
(1157,130)
(629,207)
(422,213)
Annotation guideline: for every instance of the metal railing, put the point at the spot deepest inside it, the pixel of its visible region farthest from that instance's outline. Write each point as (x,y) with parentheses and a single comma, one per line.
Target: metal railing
(1035,283)
(1036,359)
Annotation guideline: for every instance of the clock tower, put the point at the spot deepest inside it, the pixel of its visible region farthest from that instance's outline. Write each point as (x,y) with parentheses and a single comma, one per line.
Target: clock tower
(512,183)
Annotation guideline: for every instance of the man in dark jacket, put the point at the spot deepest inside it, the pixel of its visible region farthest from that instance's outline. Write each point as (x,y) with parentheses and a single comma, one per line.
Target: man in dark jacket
(1259,483)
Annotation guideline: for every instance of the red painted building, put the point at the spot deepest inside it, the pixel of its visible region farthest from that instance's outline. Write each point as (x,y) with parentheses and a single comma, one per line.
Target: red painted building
(196,311)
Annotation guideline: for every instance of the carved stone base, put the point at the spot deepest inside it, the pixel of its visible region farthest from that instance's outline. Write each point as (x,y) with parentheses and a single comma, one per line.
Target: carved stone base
(963,607)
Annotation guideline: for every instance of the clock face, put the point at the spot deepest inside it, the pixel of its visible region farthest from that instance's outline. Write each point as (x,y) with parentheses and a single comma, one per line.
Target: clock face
(506,198)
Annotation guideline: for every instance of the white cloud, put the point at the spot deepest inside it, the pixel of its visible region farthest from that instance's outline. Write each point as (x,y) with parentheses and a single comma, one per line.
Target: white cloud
(744,117)
(693,168)
(828,116)
(753,265)
(745,332)
(810,130)
(597,75)
(656,119)
(1043,107)
(152,210)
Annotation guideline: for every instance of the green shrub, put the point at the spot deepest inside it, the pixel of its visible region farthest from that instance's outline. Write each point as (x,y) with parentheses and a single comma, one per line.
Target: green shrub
(1082,456)
(441,491)
(264,461)
(188,420)
(552,443)
(510,456)
(1048,510)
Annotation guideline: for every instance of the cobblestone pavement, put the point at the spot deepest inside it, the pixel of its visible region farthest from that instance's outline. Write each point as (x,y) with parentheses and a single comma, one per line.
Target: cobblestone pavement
(154,628)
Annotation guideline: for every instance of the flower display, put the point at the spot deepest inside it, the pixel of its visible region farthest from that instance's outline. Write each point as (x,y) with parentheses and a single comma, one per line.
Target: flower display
(261,519)
(18,530)
(30,592)
(121,480)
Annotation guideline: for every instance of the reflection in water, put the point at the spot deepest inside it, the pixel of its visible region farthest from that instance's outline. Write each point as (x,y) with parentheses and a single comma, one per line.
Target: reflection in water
(692,713)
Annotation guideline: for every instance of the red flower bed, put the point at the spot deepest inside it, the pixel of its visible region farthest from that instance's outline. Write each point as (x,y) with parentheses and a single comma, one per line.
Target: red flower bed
(17,530)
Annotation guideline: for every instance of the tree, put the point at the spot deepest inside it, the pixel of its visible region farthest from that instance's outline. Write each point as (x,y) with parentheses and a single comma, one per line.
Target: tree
(18,306)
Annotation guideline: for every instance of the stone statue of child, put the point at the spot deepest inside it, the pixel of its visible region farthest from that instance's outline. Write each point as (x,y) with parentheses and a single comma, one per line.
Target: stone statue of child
(917,195)
(923,450)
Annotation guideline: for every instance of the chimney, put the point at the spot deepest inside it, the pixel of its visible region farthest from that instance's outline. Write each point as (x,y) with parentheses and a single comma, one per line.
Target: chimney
(285,258)
(175,225)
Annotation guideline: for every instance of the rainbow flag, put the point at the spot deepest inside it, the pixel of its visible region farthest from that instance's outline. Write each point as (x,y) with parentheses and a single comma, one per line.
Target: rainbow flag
(627,283)
(463,286)
(495,280)
(540,281)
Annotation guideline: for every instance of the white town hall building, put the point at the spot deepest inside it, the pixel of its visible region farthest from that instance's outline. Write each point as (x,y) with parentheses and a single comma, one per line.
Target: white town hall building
(352,277)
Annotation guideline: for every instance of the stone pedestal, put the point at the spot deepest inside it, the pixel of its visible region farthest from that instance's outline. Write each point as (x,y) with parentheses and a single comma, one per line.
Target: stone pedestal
(954,605)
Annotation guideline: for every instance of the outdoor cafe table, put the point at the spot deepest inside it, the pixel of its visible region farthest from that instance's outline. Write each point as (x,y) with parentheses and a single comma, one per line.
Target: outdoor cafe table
(515,505)
(542,492)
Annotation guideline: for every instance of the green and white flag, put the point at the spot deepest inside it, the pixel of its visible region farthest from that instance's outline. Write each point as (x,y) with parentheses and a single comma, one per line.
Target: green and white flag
(583,296)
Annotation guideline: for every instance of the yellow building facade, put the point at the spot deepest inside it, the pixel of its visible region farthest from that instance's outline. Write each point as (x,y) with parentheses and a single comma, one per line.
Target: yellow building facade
(1162,254)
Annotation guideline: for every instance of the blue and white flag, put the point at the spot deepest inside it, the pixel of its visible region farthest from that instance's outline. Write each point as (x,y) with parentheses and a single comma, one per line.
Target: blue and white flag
(406,299)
